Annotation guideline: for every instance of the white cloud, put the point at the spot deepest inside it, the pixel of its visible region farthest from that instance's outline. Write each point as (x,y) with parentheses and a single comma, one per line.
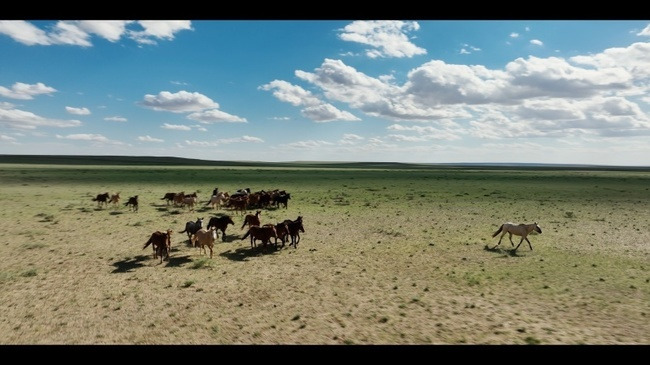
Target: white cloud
(243,139)
(215,116)
(24,91)
(5,138)
(148,138)
(315,109)
(307,144)
(514,35)
(89,137)
(77,111)
(24,32)
(79,33)
(158,29)
(179,83)
(280,118)
(350,139)
(527,29)
(464,51)
(176,127)
(180,102)
(21,119)
(645,31)
(536,42)
(201,143)
(115,119)
(634,59)
(389,38)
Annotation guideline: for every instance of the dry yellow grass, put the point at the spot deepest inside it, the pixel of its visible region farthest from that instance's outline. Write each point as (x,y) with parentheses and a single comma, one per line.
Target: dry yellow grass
(398,261)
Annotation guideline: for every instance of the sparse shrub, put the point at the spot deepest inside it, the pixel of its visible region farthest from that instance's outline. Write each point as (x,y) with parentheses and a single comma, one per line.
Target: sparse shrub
(569,215)
(188,283)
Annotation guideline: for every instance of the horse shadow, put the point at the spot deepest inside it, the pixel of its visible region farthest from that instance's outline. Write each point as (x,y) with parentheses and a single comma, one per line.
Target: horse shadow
(508,251)
(129,265)
(177,261)
(116,213)
(243,253)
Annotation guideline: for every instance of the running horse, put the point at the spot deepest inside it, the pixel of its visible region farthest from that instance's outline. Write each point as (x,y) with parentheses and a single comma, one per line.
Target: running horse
(522,230)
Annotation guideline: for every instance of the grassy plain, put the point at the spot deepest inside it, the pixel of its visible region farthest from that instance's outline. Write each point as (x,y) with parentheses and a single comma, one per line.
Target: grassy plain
(389,256)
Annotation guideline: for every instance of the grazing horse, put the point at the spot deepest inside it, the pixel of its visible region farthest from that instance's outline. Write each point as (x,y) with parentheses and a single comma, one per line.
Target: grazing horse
(252,220)
(264,233)
(161,243)
(102,199)
(205,238)
(133,202)
(221,223)
(192,227)
(517,229)
(294,227)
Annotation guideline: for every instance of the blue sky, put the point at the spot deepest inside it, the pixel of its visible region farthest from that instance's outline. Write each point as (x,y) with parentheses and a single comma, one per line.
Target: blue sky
(435,91)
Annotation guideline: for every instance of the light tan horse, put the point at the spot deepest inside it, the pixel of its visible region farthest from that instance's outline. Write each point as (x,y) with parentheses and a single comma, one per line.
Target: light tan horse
(203,238)
(216,200)
(522,230)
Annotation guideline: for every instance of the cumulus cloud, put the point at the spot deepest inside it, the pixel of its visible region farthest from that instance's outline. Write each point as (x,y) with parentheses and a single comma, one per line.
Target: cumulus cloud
(215,116)
(115,119)
(514,35)
(633,59)
(388,38)
(77,111)
(79,33)
(148,138)
(24,91)
(21,119)
(645,31)
(536,42)
(314,108)
(176,127)
(156,29)
(180,102)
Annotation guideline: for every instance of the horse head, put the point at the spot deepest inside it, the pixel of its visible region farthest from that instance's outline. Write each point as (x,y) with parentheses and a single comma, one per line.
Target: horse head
(538,229)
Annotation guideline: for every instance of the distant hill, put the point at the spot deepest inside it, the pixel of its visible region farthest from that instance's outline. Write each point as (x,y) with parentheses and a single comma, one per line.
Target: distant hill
(178,161)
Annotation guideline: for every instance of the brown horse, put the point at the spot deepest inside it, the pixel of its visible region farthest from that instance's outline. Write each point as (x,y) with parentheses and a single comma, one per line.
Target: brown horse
(264,233)
(102,199)
(161,243)
(221,223)
(522,230)
(252,220)
(295,227)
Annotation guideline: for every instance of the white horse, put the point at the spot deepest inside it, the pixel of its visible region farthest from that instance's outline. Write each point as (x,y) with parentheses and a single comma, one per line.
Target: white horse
(517,229)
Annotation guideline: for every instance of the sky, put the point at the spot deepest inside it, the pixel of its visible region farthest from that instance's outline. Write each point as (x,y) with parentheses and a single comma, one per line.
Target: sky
(414,91)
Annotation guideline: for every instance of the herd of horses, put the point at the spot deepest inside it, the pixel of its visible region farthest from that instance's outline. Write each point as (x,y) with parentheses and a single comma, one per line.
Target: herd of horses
(243,199)
(204,237)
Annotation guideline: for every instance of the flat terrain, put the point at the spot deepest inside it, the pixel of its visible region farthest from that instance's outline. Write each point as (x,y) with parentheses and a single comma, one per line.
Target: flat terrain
(389,256)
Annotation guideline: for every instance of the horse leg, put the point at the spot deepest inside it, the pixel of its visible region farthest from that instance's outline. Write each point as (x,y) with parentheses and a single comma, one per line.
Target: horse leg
(500,238)
(522,240)
(529,245)
(512,243)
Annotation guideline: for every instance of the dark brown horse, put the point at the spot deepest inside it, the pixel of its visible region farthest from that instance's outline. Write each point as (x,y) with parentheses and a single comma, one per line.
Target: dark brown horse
(161,243)
(295,227)
(264,233)
(221,223)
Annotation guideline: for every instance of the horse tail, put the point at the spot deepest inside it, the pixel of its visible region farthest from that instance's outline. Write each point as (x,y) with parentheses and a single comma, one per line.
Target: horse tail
(246,235)
(244,225)
(147,244)
(498,231)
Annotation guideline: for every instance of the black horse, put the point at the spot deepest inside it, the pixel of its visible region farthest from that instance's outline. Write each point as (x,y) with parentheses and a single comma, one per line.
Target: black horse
(221,223)
(192,227)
